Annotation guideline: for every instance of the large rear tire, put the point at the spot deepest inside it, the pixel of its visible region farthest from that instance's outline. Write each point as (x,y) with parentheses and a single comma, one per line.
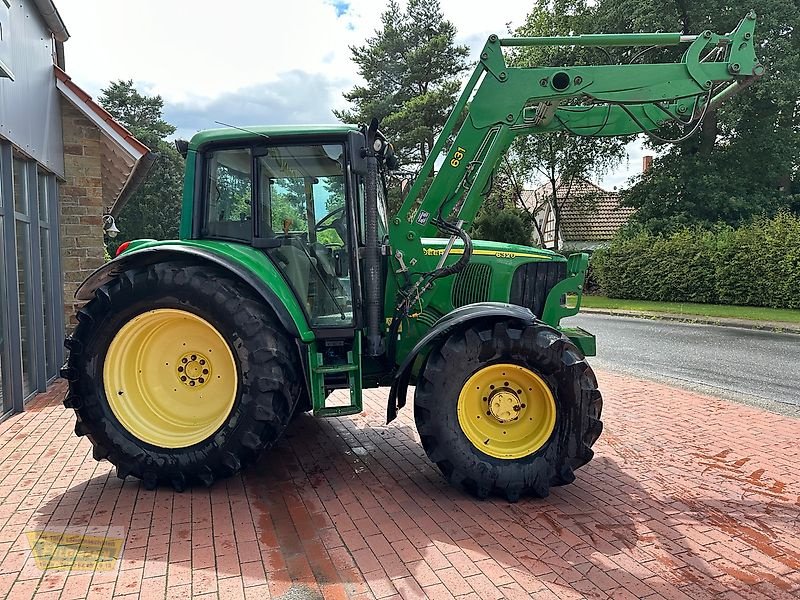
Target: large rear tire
(178,374)
(507,409)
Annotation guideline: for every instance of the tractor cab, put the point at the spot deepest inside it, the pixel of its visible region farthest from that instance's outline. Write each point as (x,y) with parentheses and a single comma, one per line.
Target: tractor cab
(288,200)
(298,197)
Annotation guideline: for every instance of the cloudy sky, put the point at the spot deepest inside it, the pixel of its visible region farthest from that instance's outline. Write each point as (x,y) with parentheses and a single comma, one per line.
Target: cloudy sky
(249,62)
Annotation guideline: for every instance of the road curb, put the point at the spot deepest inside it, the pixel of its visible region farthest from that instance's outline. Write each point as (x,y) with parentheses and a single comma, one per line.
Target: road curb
(773,326)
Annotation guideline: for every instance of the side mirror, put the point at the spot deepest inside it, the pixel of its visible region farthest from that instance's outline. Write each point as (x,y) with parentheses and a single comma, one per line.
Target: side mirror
(355,143)
(392,162)
(182,146)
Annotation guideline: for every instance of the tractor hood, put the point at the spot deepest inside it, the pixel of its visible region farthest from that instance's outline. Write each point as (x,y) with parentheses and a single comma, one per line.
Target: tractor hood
(436,246)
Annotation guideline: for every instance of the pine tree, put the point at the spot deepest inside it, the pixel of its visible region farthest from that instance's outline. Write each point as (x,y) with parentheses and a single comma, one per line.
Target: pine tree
(153,211)
(411,69)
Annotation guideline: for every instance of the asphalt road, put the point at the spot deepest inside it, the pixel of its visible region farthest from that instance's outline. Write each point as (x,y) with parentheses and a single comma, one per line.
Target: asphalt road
(755,367)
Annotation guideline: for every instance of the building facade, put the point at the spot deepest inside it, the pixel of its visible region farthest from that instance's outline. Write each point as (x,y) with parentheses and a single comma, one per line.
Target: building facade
(589,215)
(63,164)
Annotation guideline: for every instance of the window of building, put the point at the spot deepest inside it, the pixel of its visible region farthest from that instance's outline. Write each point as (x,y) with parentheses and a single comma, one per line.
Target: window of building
(50,300)
(22,225)
(6,404)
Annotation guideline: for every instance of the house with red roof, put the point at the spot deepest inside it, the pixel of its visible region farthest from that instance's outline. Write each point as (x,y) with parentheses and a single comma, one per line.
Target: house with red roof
(580,215)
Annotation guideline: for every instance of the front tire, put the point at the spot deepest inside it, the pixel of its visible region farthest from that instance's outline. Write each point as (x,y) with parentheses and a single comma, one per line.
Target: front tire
(508,409)
(179,375)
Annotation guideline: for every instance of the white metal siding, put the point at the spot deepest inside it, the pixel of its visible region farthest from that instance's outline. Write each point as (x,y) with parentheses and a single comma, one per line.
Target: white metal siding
(30,115)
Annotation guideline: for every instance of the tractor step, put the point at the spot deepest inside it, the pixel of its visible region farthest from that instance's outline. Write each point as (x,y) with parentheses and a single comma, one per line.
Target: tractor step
(328,369)
(326,377)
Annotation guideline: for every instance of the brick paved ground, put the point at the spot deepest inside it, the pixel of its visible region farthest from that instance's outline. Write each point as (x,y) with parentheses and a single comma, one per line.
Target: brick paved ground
(688,497)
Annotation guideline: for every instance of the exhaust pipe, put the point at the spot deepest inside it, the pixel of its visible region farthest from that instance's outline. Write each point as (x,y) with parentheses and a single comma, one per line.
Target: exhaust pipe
(372,251)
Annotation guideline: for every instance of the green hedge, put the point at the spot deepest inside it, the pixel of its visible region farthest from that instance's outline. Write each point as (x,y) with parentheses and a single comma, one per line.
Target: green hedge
(755,265)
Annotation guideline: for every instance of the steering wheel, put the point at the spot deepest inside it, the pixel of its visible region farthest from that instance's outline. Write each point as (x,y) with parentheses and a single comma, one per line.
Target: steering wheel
(329,220)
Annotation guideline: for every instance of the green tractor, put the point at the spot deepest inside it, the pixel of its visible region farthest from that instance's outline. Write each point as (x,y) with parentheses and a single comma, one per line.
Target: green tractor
(290,281)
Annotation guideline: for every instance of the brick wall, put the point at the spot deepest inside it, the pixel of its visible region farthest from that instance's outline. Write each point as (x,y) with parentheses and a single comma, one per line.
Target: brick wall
(81,204)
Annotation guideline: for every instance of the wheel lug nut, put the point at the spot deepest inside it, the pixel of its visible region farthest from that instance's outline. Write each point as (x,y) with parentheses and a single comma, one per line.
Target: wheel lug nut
(205,371)
(180,369)
(184,360)
(194,357)
(202,362)
(183,377)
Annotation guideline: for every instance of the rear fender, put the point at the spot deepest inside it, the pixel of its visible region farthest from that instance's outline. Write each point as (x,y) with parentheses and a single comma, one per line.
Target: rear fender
(276,293)
(455,320)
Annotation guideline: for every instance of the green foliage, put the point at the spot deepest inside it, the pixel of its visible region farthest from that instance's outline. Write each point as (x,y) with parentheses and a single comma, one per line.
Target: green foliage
(691,309)
(744,161)
(757,264)
(141,114)
(234,192)
(334,186)
(509,225)
(285,206)
(154,210)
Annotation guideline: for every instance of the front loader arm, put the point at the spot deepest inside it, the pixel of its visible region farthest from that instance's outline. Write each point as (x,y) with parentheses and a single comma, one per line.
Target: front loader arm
(504,102)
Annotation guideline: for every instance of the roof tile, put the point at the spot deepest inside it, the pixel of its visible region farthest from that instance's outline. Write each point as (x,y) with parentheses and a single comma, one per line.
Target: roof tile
(590,214)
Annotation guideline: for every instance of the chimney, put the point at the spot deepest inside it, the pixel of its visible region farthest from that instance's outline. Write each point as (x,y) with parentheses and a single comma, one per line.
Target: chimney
(647,162)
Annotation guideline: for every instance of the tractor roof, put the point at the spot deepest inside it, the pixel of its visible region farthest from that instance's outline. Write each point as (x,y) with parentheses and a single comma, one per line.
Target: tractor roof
(233,134)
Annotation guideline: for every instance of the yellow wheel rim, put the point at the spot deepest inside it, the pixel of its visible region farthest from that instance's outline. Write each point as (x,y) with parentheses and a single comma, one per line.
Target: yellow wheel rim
(170,378)
(506,411)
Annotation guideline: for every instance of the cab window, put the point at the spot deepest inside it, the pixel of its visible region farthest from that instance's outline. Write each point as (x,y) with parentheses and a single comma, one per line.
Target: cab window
(301,195)
(229,191)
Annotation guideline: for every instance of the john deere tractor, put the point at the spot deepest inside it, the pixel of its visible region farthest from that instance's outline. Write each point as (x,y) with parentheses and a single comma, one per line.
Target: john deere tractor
(290,281)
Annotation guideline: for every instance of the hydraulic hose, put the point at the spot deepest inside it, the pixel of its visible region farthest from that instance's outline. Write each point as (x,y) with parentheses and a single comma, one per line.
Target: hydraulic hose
(459,265)
(402,308)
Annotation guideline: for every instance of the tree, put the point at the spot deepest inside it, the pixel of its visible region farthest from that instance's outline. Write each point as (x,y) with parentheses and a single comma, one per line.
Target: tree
(744,161)
(154,209)
(559,158)
(411,69)
(507,224)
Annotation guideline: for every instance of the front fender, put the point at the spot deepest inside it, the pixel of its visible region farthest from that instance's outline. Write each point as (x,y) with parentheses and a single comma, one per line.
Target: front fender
(454,320)
(554,307)
(249,265)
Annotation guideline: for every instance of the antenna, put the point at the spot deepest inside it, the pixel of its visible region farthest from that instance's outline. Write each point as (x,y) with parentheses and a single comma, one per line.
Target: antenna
(250,131)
